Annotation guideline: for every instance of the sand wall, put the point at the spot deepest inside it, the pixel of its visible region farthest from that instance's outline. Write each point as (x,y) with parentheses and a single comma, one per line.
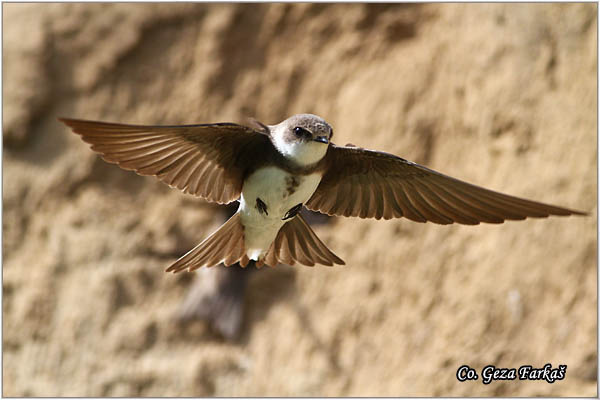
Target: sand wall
(501,95)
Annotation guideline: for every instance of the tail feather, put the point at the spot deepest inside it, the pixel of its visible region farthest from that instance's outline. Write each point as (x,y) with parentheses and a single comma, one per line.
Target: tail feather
(226,245)
(296,242)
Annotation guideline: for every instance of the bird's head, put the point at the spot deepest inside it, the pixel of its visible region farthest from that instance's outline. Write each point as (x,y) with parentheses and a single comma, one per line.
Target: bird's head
(302,138)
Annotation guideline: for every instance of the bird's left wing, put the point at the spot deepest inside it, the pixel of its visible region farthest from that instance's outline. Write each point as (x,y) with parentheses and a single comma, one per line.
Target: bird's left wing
(205,160)
(371,184)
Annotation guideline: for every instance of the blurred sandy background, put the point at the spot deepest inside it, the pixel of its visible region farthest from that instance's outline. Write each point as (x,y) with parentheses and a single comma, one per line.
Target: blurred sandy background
(499,95)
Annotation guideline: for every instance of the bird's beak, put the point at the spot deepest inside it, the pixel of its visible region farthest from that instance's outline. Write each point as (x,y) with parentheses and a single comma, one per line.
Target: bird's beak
(321,139)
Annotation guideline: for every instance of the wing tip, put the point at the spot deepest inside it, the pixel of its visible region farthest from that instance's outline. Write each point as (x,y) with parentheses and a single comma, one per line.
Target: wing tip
(577,212)
(556,211)
(65,120)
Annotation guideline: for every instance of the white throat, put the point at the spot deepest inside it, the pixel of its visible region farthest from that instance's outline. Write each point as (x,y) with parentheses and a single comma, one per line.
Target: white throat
(301,152)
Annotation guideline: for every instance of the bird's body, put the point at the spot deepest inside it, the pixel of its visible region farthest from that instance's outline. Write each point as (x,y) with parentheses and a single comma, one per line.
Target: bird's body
(276,170)
(279,191)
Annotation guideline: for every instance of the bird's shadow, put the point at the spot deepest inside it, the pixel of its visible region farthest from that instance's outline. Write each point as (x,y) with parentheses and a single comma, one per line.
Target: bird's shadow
(228,301)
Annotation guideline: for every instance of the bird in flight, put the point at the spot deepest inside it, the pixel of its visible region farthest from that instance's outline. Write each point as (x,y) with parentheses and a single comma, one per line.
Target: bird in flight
(275,170)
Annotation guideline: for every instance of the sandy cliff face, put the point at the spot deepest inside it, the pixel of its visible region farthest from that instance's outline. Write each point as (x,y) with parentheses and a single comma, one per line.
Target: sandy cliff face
(500,95)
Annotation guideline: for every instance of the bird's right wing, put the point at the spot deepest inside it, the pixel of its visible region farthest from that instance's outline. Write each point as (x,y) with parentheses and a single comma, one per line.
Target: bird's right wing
(373,184)
(205,160)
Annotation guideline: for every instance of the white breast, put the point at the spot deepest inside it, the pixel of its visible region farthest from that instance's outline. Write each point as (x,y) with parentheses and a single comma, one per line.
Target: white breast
(280,191)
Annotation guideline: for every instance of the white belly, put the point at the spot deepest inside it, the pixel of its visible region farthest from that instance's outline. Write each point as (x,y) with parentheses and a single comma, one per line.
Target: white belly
(280,191)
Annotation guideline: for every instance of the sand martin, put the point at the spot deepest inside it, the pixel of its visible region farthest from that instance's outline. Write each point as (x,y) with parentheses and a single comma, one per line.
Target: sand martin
(275,170)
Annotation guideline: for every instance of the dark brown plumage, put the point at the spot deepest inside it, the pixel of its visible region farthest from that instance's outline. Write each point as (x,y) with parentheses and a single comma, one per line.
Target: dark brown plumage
(206,160)
(373,184)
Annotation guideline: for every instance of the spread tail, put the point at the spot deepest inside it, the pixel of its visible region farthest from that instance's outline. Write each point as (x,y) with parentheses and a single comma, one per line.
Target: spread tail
(296,242)
(226,245)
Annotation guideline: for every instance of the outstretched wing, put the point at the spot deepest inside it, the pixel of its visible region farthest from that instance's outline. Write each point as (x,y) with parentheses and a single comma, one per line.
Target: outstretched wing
(370,184)
(204,160)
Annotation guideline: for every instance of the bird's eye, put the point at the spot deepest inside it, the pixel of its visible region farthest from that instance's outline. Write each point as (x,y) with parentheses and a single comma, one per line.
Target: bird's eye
(301,132)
